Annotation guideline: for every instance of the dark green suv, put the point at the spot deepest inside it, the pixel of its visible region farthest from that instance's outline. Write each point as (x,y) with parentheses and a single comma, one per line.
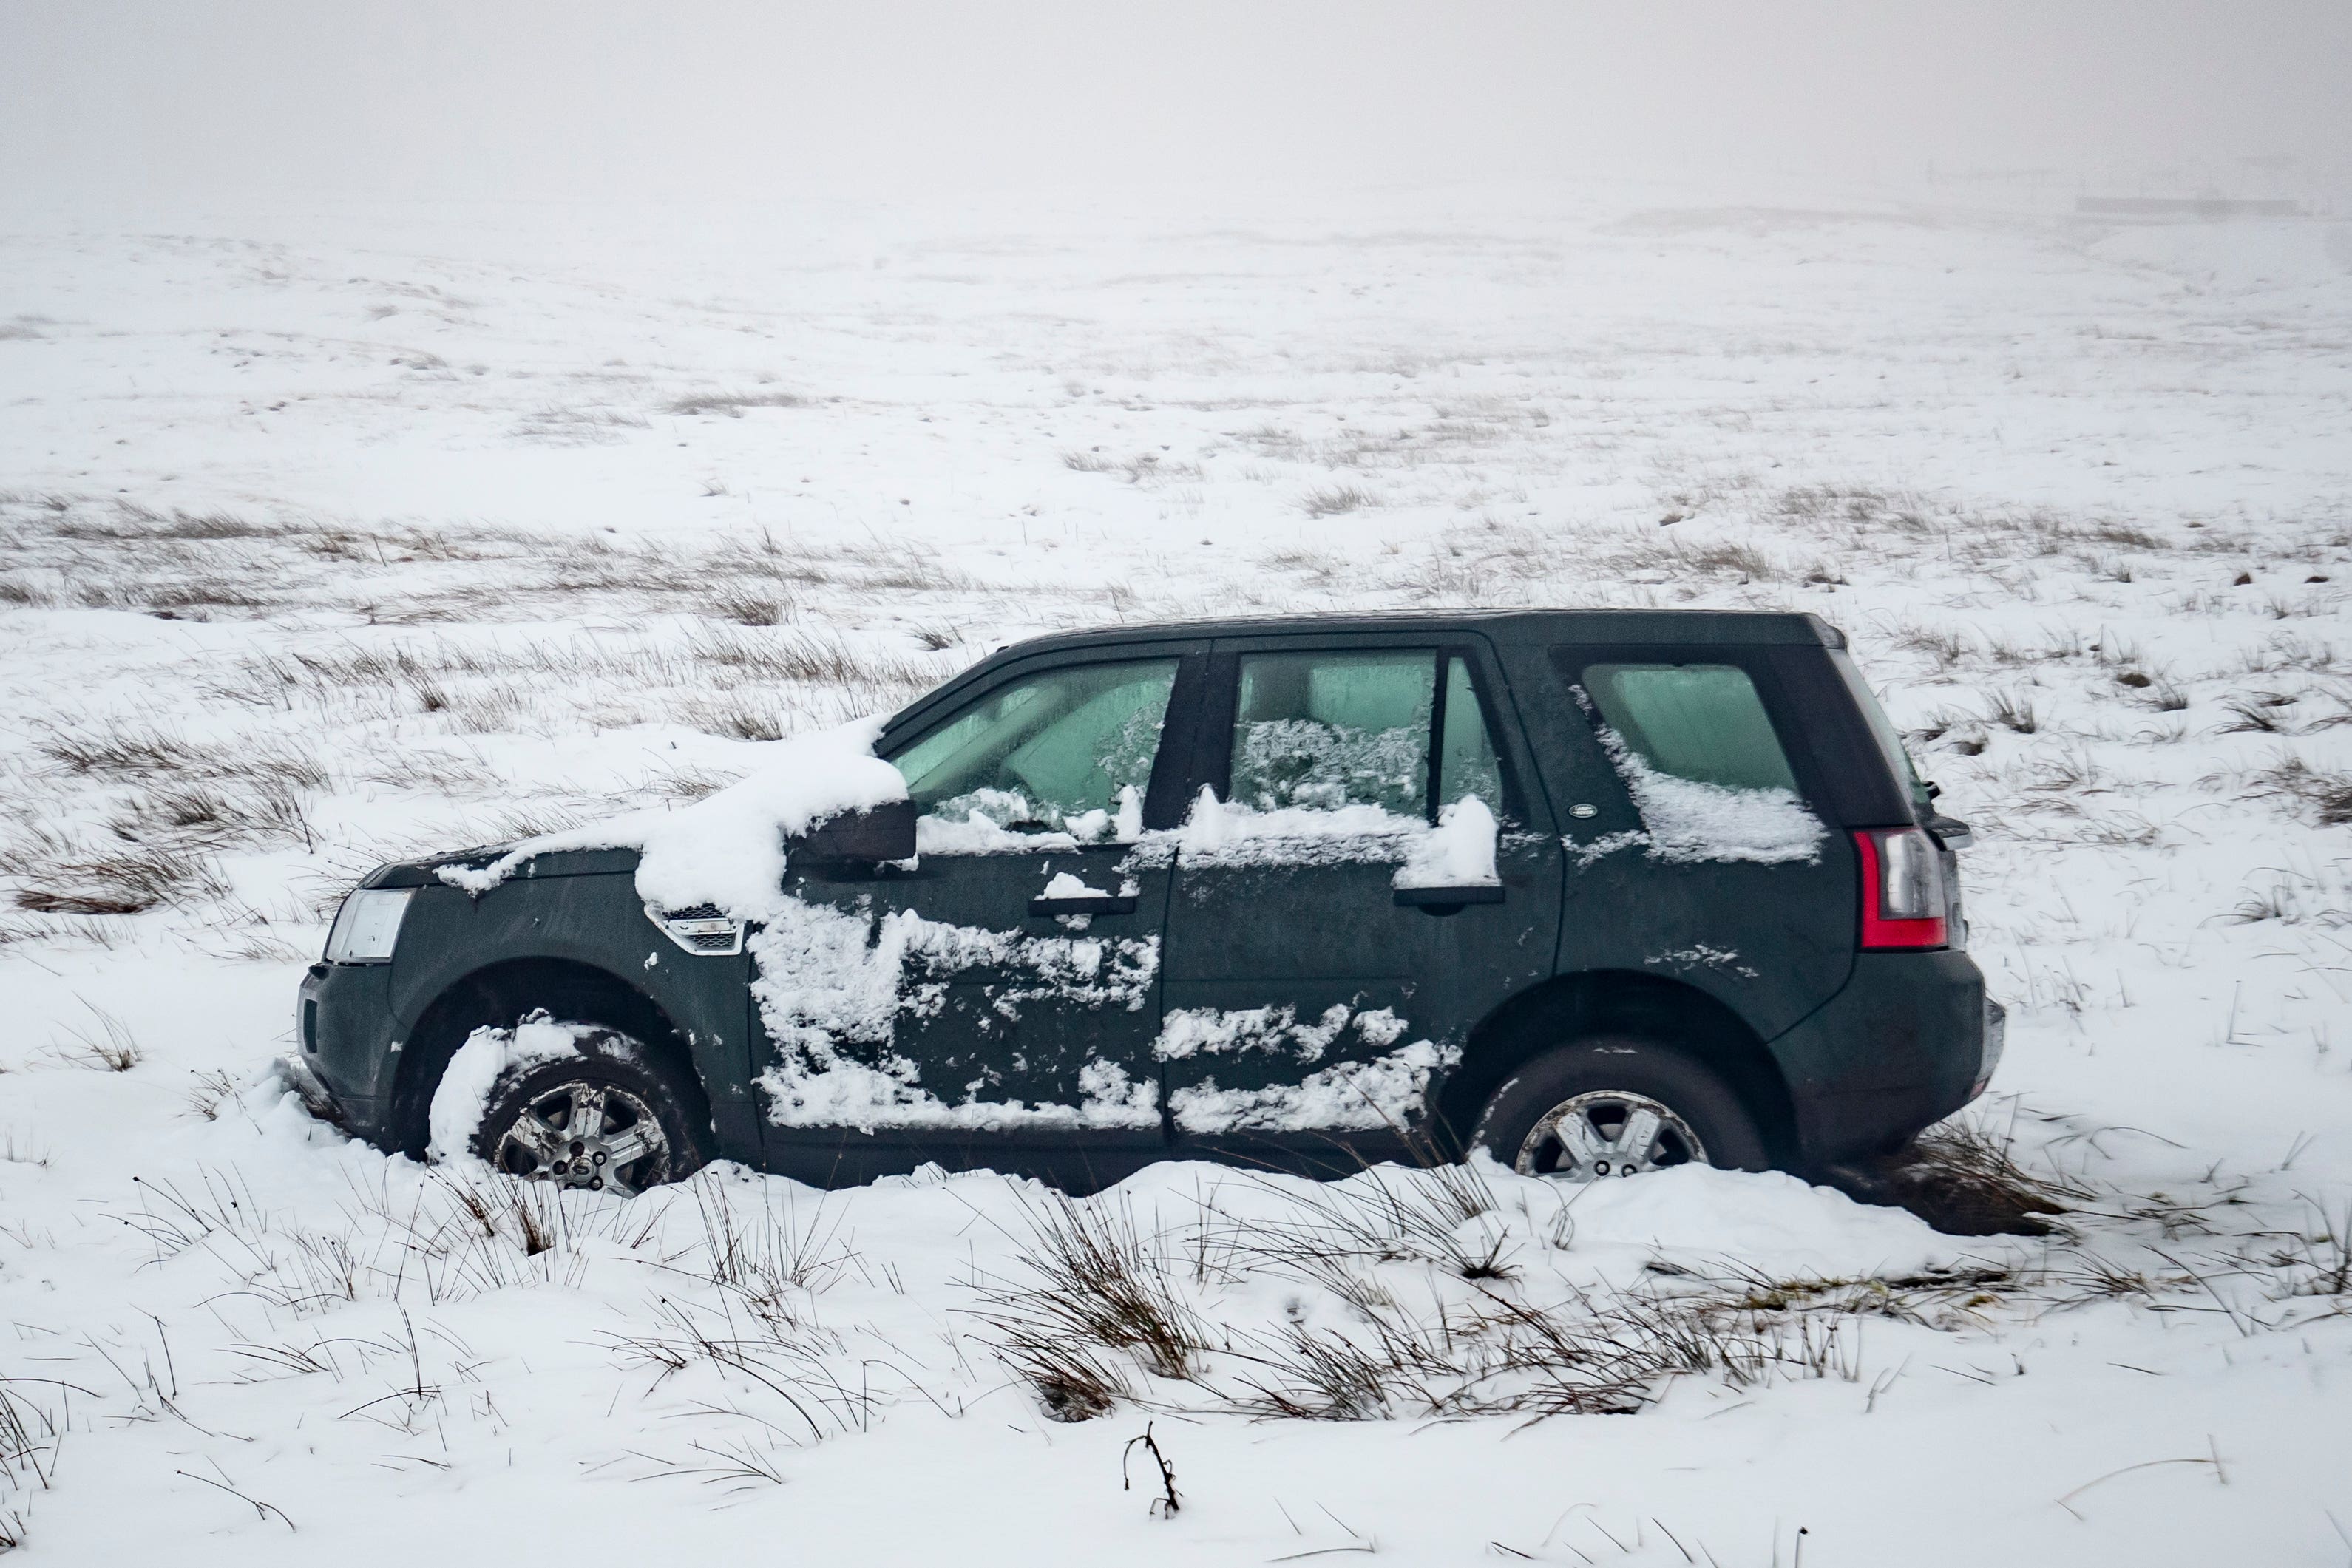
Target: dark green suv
(1600,891)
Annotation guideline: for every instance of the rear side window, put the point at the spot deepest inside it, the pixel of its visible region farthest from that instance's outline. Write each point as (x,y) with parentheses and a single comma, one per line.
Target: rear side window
(1699,756)
(1327,730)
(1700,722)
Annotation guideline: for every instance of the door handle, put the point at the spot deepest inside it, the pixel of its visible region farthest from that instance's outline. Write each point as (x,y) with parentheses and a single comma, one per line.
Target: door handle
(1093,903)
(1447,900)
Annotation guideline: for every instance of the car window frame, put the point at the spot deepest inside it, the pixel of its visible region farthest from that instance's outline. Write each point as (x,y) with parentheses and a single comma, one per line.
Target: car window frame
(1164,798)
(1219,700)
(1570,660)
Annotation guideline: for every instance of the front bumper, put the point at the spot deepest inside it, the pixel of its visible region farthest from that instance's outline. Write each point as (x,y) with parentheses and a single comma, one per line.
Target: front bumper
(1910,1039)
(343,1039)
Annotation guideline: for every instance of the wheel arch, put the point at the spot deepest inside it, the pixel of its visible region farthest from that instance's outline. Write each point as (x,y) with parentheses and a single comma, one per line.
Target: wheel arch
(497,993)
(1614,1001)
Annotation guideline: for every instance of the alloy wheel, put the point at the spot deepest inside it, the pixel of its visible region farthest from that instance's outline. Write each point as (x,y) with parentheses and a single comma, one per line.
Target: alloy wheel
(599,1137)
(1607,1133)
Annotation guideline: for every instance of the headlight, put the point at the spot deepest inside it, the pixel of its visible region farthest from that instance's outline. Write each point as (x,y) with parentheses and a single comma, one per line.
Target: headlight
(368,924)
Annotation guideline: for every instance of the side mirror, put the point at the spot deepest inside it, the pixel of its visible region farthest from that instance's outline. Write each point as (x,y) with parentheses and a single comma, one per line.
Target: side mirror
(885,832)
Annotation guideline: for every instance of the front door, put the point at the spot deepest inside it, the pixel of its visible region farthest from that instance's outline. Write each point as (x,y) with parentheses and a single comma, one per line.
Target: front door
(1309,998)
(995,1002)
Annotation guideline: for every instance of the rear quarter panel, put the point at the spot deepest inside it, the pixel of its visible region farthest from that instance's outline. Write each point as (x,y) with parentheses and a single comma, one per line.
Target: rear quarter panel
(1772,942)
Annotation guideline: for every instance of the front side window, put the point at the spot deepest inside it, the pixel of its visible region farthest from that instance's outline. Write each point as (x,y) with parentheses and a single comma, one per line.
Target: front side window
(1326,730)
(1698,755)
(1036,754)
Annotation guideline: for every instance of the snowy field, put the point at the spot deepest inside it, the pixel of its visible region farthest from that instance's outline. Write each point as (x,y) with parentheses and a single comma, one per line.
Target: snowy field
(331,534)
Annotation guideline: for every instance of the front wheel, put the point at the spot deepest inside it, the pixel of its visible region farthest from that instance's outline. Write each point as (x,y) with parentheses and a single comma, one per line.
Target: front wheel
(607,1116)
(1616,1107)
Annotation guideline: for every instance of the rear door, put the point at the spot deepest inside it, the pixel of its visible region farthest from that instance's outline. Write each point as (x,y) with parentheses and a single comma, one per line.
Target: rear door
(1001,993)
(1701,848)
(1307,998)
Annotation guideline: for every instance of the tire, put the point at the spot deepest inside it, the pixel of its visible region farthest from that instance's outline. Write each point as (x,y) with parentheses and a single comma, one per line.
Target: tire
(1601,1085)
(642,1127)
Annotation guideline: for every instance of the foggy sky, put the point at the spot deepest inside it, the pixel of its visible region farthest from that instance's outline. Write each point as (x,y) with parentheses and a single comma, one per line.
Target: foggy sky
(172,98)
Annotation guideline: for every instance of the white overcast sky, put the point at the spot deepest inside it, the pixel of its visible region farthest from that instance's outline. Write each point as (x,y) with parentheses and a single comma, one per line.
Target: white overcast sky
(138,98)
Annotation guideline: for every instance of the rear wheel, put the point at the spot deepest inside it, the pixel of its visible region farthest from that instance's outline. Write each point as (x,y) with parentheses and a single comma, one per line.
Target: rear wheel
(1616,1107)
(610,1118)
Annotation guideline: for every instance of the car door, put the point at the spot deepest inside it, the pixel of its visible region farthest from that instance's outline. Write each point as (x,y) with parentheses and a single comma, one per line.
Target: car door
(1307,998)
(1700,853)
(996,1000)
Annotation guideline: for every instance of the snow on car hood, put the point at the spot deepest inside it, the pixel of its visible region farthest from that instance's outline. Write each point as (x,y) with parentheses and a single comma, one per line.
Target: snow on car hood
(726,850)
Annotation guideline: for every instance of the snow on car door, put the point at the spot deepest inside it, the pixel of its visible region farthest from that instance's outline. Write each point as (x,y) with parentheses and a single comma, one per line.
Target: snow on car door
(1007,983)
(1698,854)
(1337,924)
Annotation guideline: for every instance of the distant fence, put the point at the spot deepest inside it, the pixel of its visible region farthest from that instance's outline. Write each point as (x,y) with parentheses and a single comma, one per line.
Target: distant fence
(2186,207)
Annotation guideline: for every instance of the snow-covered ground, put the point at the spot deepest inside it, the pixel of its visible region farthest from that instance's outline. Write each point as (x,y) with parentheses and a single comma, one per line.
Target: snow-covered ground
(334,533)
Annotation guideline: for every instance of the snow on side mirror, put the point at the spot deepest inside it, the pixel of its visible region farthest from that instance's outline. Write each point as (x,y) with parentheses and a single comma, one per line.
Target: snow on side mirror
(884,833)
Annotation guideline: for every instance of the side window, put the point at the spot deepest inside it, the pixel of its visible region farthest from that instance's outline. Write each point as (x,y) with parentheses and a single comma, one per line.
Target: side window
(1037,753)
(1324,731)
(1467,760)
(1700,722)
(1702,763)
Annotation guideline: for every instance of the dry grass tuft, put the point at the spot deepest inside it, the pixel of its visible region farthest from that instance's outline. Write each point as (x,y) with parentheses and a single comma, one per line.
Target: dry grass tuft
(733,403)
(128,880)
(1963,1178)
(2012,711)
(106,1045)
(1103,1301)
(1097,1282)
(31,1434)
(1335,501)
(2327,794)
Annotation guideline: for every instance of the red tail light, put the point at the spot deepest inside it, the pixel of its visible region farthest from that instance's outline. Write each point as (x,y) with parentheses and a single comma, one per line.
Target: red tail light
(1902,889)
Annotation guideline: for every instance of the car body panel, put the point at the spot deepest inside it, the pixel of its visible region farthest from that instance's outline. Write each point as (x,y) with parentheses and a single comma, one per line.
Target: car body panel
(1289,974)
(1870,1046)
(590,918)
(1003,1007)
(1772,941)
(1900,1046)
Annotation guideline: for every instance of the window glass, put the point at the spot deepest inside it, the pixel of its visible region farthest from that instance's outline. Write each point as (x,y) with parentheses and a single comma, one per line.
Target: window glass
(1324,731)
(1052,747)
(1700,722)
(1467,762)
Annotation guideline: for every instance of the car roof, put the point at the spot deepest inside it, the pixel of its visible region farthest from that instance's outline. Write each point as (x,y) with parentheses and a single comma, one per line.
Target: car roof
(1721,627)
(1540,626)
